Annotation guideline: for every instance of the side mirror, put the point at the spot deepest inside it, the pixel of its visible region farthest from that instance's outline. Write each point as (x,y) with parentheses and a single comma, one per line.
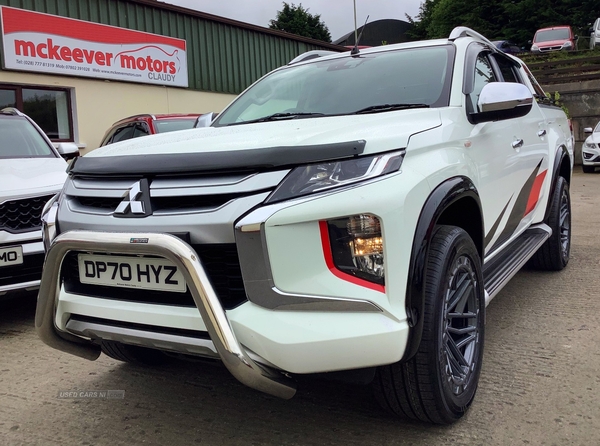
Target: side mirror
(502,100)
(68,150)
(588,130)
(205,120)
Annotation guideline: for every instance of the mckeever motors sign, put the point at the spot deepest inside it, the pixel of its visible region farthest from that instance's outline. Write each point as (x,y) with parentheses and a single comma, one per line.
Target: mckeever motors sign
(50,44)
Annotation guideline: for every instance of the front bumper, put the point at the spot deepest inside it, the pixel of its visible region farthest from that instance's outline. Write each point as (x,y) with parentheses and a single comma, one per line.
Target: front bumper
(24,276)
(590,156)
(231,352)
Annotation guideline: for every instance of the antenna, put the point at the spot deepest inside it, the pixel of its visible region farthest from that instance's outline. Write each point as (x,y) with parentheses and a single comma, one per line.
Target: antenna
(355,50)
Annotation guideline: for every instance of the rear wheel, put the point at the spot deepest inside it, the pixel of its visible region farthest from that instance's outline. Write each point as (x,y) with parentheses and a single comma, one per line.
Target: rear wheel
(438,384)
(554,253)
(132,353)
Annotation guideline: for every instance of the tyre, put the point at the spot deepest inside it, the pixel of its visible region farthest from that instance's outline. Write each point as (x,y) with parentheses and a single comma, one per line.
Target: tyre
(438,384)
(588,169)
(132,353)
(554,253)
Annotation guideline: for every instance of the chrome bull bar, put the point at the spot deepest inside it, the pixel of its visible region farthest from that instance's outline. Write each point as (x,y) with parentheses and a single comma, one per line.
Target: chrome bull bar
(232,354)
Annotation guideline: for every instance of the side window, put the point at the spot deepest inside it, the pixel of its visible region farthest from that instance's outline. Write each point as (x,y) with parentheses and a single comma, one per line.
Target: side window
(507,69)
(122,134)
(483,76)
(140,130)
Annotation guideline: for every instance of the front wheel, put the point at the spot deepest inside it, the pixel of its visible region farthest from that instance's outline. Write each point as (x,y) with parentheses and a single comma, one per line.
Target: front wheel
(438,384)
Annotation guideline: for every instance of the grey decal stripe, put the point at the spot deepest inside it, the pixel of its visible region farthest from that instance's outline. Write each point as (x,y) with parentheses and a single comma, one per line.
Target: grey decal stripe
(518,210)
(492,231)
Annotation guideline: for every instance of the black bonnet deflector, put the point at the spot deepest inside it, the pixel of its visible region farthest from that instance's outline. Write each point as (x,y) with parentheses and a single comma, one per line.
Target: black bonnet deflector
(204,162)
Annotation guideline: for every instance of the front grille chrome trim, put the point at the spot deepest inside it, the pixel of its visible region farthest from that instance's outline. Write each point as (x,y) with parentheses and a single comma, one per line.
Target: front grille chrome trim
(231,352)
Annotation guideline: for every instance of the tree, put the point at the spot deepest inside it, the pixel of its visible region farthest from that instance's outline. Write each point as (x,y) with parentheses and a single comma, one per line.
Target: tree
(501,19)
(297,20)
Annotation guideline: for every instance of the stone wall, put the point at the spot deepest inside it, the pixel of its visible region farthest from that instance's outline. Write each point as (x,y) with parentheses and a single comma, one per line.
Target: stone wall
(582,99)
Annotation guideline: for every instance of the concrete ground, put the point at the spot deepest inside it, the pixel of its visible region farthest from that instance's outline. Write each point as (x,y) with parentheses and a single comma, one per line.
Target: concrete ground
(540,382)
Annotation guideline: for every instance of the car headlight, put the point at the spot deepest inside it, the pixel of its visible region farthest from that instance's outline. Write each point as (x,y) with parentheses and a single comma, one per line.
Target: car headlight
(314,178)
(534,47)
(567,45)
(49,223)
(589,145)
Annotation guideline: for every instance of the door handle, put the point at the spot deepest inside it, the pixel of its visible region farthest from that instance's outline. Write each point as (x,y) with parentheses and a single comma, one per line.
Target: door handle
(541,133)
(517,143)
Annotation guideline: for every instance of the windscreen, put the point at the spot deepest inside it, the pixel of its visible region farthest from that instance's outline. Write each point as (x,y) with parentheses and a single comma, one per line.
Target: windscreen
(174,125)
(19,139)
(348,85)
(552,34)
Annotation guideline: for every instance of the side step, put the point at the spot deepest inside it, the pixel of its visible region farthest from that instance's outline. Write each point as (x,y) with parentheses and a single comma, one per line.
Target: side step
(500,269)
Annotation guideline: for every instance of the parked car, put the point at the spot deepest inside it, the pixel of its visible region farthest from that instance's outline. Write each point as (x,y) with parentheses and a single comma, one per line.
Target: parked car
(507,46)
(332,218)
(147,124)
(555,38)
(591,149)
(595,34)
(31,172)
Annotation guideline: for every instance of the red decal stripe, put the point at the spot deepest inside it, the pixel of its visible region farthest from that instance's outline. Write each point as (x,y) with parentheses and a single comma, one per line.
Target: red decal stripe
(534,195)
(19,20)
(336,272)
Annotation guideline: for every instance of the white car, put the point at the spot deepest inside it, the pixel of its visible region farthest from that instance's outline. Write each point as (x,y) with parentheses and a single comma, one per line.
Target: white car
(348,211)
(31,172)
(595,34)
(590,151)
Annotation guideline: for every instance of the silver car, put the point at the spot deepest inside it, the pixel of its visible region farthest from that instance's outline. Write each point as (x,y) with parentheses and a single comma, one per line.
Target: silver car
(590,152)
(32,170)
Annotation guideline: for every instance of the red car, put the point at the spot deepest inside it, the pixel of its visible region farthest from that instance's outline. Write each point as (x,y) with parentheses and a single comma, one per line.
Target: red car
(147,124)
(554,39)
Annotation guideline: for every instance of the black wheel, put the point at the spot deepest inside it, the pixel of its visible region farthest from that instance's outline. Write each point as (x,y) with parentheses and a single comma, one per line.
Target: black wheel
(554,254)
(132,353)
(438,384)
(588,169)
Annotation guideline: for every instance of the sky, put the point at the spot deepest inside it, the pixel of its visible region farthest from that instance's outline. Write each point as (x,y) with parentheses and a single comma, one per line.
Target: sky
(338,15)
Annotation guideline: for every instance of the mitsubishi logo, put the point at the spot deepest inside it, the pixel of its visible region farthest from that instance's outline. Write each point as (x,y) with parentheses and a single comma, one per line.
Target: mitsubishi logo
(136,201)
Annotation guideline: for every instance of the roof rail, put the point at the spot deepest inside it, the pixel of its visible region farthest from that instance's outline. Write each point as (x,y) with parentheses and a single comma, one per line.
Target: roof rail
(463,31)
(311,55)
(11,111)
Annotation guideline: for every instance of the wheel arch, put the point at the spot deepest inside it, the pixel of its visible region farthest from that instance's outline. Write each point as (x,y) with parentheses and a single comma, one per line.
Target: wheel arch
(561,168)
(453,202)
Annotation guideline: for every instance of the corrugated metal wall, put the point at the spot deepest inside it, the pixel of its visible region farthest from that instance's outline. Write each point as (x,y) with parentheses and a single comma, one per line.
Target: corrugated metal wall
(222,57)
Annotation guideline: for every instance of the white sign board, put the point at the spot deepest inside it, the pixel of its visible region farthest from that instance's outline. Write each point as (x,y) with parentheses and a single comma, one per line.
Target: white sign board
(50,44)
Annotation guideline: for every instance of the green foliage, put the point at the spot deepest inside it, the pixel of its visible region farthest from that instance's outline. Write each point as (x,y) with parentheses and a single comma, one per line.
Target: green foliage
(502,19)
(297,20)
(556,99)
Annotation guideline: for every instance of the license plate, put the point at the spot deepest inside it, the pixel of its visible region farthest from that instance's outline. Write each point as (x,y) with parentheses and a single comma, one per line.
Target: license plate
(11,256)
(130,272)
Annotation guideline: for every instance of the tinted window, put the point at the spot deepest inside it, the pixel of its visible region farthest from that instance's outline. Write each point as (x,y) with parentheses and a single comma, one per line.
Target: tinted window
(483,76)
(174,125)
(19,139)
(50,110)
(123,133)
(140,129)
(348,84)
(507,68)
(8,98)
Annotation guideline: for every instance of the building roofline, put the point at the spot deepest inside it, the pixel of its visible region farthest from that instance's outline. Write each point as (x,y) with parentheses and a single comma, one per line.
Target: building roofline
(236,23)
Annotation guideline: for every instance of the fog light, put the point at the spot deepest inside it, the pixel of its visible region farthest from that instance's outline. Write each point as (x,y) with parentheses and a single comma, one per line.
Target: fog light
(355,245)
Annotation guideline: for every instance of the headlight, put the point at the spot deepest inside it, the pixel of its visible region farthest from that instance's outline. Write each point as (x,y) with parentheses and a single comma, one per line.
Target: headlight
(534,47)
(567,45)
(315,178)
(49,223)
(589,145)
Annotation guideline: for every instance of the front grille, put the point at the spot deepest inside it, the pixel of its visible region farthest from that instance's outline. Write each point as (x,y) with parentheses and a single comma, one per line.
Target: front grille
(99,203)
(192,202)
(220,262)
(22,215)
(28,271)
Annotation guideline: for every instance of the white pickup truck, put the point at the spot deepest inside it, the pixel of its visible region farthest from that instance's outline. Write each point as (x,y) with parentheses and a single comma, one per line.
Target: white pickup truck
(348,211)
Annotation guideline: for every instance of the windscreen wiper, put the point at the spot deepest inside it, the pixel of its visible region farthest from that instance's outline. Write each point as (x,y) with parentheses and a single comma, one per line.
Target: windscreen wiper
(282,116)
(388,107)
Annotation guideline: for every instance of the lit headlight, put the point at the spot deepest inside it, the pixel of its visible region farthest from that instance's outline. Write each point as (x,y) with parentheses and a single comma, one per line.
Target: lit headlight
(314,178)
(49,224)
